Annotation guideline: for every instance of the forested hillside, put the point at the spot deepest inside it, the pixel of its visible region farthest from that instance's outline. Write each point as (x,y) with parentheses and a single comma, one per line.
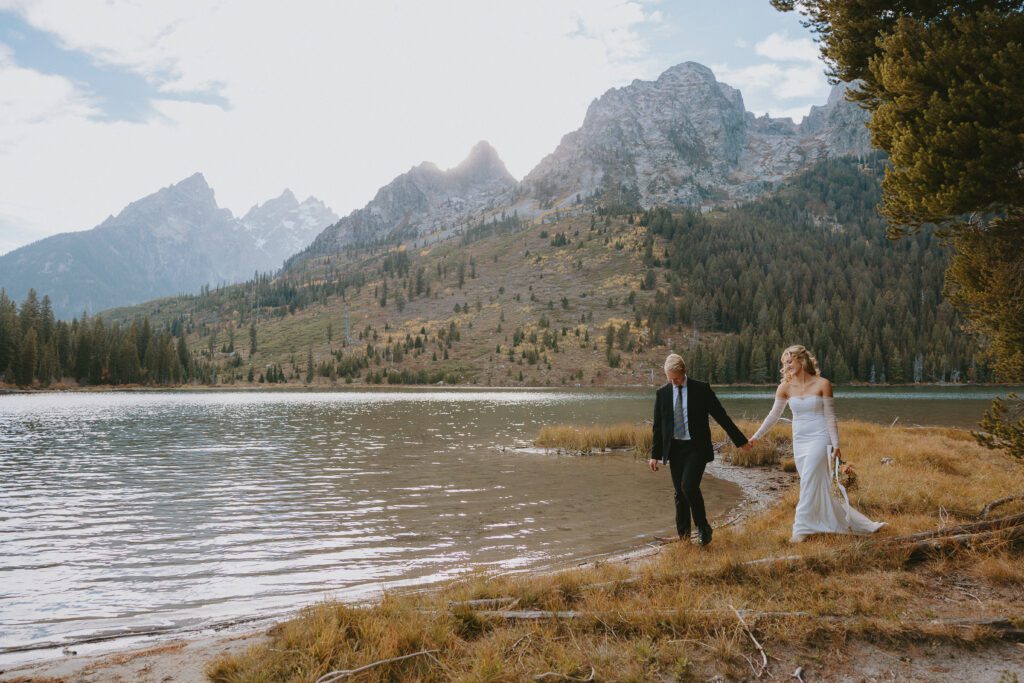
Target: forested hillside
(594,299)
(811,265)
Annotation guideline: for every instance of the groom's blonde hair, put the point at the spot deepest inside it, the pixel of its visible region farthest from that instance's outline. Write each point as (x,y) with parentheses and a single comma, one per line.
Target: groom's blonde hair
(675,363)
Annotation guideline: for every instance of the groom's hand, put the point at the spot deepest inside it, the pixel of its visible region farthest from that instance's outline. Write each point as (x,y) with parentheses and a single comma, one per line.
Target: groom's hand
(653,464)
(747,446)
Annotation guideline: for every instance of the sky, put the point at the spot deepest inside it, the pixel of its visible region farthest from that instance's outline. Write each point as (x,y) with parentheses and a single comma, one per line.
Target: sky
(103,102)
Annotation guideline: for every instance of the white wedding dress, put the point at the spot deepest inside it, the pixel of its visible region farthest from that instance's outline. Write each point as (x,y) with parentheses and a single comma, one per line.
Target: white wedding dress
(820,510)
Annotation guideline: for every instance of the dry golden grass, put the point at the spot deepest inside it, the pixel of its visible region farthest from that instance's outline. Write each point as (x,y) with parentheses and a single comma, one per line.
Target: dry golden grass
(671,618)
(596,438)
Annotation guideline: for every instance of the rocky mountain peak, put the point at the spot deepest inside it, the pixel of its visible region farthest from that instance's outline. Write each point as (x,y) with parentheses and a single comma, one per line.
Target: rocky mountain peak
(425,202)
(482,165)
(283,203)
(687,73)
(172,209)
(684,139)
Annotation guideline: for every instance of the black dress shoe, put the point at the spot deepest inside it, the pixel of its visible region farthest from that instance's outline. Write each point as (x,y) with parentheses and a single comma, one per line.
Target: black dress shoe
(705,534)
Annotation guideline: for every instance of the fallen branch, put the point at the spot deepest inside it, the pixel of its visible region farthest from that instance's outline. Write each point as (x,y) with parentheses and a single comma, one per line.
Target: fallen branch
(968,535)
(484,602)
(1007,628)
(332,676)
(987,525)
(764,657)
(529,615)
(611,584)
(923,548)
(564,677)
(774,560)
(996,503)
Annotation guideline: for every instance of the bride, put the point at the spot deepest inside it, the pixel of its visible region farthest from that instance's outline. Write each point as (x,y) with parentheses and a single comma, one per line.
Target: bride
(809,395)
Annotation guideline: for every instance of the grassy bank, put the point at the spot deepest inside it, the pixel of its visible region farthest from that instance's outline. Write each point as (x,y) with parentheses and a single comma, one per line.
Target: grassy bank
(690,613)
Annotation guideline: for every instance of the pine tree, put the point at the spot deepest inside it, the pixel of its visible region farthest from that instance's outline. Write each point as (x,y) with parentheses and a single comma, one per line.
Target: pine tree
(185,358)
(28,356)
(758,366)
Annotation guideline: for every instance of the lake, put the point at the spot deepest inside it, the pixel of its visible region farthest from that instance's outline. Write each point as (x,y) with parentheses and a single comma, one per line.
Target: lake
(128,513)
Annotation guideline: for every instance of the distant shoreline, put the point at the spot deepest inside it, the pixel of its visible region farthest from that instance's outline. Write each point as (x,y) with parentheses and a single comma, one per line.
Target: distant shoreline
(317,388)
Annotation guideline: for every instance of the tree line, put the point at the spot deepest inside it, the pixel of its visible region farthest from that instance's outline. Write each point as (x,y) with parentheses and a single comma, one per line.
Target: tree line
(35,348)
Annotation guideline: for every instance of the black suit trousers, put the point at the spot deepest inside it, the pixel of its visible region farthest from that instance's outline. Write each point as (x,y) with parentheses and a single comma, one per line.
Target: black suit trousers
(687,467)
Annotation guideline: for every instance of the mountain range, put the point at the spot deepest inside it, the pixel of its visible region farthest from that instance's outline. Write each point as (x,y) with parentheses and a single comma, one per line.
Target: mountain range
(682,140)
(174,241)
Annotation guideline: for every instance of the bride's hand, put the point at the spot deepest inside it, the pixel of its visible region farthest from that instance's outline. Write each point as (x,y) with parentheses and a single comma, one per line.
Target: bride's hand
(838,454)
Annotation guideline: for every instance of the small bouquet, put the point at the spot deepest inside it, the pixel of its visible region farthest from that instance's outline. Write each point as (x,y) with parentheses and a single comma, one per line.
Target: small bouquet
(846,476)
(842,474)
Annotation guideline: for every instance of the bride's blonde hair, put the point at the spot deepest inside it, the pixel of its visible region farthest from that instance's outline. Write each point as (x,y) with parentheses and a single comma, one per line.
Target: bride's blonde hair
(806,358)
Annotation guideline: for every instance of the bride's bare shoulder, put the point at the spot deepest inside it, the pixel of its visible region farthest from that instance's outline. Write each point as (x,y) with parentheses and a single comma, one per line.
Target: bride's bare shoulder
(824,387)
(783,390)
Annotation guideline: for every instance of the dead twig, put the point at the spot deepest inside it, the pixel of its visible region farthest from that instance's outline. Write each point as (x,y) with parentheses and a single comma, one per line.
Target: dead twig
(764,657)
(798,674)
(338,675)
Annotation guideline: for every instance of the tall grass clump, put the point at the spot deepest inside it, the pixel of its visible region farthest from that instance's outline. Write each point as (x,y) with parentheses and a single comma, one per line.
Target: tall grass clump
(586,440)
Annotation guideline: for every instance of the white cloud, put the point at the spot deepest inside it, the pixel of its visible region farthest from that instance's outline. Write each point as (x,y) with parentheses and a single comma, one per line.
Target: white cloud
(781,48)
(785,86)
(28,98)
(331,99)
(782,82)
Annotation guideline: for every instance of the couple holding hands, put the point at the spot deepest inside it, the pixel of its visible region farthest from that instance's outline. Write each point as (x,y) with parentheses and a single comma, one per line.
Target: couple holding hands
(682,440)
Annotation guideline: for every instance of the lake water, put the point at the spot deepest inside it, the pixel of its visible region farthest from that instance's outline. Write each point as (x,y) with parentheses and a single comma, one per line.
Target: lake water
(156,512)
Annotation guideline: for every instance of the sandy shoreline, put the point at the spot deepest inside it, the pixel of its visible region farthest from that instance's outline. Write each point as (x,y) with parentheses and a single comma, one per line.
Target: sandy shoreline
(184,657)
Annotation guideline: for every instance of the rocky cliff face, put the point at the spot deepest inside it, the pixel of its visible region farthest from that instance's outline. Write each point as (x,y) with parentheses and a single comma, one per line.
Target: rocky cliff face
(171,242)
(425,202)
(686,139)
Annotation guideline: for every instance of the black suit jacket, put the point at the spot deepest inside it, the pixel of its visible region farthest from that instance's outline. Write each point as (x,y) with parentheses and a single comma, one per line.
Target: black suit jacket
(701,403)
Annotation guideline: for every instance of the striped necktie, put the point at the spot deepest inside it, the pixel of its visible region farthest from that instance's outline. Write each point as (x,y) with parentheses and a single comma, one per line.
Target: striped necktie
(679,430)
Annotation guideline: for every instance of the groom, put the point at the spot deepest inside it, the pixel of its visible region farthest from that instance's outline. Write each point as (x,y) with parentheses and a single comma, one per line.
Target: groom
(682,439)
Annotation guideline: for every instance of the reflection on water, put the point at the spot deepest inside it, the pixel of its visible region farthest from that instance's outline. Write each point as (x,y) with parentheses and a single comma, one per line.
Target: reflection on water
(140,512)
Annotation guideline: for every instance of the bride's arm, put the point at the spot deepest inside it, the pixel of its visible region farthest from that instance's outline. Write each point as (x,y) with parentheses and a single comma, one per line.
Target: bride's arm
(773,416)
(830,417)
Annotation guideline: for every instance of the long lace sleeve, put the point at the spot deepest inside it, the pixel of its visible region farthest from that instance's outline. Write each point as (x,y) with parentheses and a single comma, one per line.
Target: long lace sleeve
(773,417)
(830,420)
